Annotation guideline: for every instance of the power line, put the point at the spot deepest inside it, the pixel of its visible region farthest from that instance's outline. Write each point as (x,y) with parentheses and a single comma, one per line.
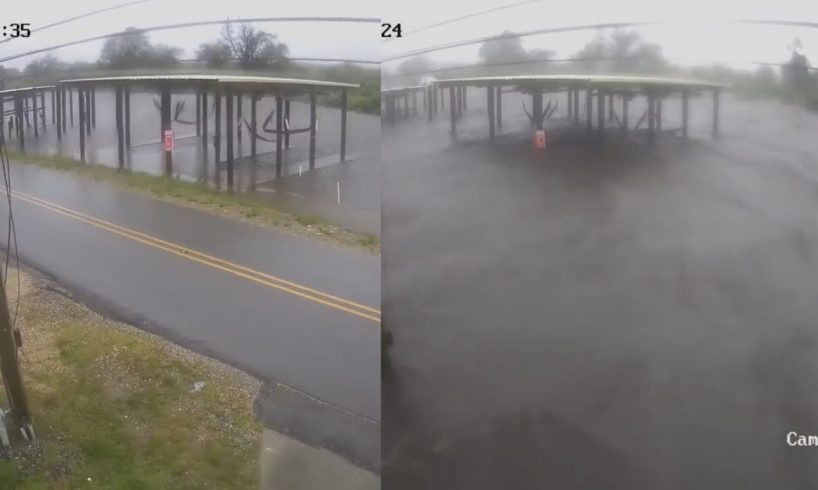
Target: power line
(464,17)
(185,25)
(505,63)
(323,60)
(78,17)
(554,30)
(550,30)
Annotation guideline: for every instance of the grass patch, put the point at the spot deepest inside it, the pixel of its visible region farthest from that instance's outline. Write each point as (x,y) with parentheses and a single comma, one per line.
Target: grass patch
(115,408)
(238,206)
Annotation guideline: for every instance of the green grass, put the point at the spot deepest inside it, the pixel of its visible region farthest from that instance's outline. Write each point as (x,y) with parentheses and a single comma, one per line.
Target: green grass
(202,196)
(114,409)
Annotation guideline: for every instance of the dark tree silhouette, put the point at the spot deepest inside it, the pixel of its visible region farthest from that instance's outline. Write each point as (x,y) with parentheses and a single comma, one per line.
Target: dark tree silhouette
(134,50)
(253,48)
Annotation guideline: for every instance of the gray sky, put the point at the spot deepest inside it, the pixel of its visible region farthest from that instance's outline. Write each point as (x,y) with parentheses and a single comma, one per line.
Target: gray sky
(687,39)
(318,40)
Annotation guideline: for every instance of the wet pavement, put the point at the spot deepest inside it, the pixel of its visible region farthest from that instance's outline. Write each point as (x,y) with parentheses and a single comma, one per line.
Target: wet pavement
(300,191)
(327,359)
(615,317)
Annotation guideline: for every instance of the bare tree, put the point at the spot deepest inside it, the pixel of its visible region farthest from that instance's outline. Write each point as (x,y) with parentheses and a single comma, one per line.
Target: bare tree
(253,48)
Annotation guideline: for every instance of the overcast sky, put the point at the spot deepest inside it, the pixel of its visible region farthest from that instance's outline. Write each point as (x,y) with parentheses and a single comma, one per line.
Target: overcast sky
(315,40)
(697,31)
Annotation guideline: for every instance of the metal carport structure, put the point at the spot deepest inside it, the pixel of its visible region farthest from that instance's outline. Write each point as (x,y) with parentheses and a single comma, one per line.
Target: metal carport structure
(655,89)
(218,87)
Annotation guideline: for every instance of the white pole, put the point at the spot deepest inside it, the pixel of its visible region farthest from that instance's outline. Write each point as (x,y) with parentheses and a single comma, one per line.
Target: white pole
(338,190)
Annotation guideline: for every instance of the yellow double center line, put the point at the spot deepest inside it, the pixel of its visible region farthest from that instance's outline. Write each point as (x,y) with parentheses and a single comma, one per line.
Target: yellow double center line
(274,282)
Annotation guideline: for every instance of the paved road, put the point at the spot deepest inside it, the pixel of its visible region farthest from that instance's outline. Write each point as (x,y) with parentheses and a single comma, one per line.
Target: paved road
(223,288)
(626,319)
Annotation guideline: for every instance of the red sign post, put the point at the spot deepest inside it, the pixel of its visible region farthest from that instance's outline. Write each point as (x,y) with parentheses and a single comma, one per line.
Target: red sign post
(539,140)
(168,140)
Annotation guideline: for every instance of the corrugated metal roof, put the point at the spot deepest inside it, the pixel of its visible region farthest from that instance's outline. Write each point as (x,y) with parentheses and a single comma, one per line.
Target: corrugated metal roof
(25,89)
(639,82)
(217,79)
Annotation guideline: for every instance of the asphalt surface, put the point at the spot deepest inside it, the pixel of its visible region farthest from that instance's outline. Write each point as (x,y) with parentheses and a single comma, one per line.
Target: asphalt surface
(617,317)
(310,193)
(315,356)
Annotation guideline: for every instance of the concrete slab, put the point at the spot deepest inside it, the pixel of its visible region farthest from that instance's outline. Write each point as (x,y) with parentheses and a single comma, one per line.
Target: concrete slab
(287,464)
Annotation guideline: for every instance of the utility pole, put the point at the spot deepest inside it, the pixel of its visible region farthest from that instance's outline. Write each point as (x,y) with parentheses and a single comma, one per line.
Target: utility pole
(10,340)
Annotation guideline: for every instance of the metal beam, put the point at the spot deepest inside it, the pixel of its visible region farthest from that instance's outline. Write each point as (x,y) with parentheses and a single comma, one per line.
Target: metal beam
(58,108)
(253,139)
(536,111)
(576,107)
(166,126)
(452,110)
(715,113)
(127,116)
(287,118)
(684,113)
(651,119)
(88,114)
(624,113)
(313,123)
(279,124)
(229,122)
(34,116)
(344,125)
(217,137)
(120,136)
(600,118)
(81,121)
(490,105)
(204,119)
(198,114)
(239,106)
(93,118)
(499,101)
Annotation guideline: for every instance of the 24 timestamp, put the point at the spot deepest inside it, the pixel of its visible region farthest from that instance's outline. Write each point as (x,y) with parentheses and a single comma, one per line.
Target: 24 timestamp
(20,29)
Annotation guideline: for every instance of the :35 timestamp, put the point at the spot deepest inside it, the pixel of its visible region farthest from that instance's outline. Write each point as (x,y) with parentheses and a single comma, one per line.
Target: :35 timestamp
(18,29)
